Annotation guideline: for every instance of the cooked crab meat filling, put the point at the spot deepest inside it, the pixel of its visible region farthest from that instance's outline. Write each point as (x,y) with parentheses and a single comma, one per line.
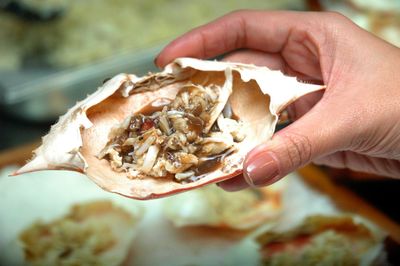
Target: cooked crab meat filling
(172,139)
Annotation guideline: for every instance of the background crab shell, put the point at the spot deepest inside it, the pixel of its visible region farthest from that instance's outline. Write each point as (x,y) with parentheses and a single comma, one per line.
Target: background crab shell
(74,143)
(47,196)
(363,241)
(213,207)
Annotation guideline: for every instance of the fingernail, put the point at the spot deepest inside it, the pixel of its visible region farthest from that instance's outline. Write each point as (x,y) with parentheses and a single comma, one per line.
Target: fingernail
(262,170)
(234,184)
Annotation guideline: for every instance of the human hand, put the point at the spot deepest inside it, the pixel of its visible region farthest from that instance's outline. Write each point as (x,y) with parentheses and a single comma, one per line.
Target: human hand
(353,124)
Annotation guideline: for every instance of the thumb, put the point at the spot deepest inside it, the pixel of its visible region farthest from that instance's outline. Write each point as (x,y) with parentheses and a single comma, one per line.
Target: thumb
(313,135)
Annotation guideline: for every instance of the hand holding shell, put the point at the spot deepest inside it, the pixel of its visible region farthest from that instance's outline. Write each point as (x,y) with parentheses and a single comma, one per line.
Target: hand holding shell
(203,110)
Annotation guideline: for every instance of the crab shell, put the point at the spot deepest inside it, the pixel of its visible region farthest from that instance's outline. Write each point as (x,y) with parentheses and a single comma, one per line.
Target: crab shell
(213,207)
(119,224)
(255,94)
(363,239)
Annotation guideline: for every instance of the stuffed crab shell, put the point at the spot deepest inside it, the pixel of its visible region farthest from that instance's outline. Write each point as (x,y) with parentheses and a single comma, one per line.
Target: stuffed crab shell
(92,233)
(187,126)
(213,207)
(324,240)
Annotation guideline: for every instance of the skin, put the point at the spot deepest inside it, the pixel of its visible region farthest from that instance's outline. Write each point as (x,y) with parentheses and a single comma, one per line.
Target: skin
(352,124)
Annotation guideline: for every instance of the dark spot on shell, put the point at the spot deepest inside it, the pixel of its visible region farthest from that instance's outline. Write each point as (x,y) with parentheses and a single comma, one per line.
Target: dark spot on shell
(105,80)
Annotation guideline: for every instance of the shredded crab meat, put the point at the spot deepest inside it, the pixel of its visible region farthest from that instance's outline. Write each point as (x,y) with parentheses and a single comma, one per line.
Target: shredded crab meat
(175,139)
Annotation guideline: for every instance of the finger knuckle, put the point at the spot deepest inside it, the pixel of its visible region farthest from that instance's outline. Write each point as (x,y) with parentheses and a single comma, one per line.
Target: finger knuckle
(238,12)
(298,150)
(335,16)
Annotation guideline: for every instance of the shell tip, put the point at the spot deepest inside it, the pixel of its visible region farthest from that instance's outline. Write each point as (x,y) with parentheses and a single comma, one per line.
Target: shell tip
(15,173)
(37,164)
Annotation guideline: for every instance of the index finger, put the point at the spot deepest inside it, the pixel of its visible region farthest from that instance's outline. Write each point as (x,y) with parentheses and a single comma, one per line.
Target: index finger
(266,31)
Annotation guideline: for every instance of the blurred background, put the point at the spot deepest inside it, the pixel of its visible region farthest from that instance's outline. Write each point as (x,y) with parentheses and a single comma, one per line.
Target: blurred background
(55,52)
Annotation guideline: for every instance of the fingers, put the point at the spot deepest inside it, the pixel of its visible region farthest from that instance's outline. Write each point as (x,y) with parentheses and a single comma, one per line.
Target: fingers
(361,163)
(273,61)
(310,137)
(303,105)
(234,184)
(315,134)
(258,30)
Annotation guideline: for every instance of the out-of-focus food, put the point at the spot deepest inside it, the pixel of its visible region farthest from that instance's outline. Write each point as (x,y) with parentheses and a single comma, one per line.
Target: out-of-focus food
(108,137)
(214,207)
(323,240)
(392,6)
(381,17)
(34,10)
(12,47)
(94,233)
(44,5)
(90,30)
